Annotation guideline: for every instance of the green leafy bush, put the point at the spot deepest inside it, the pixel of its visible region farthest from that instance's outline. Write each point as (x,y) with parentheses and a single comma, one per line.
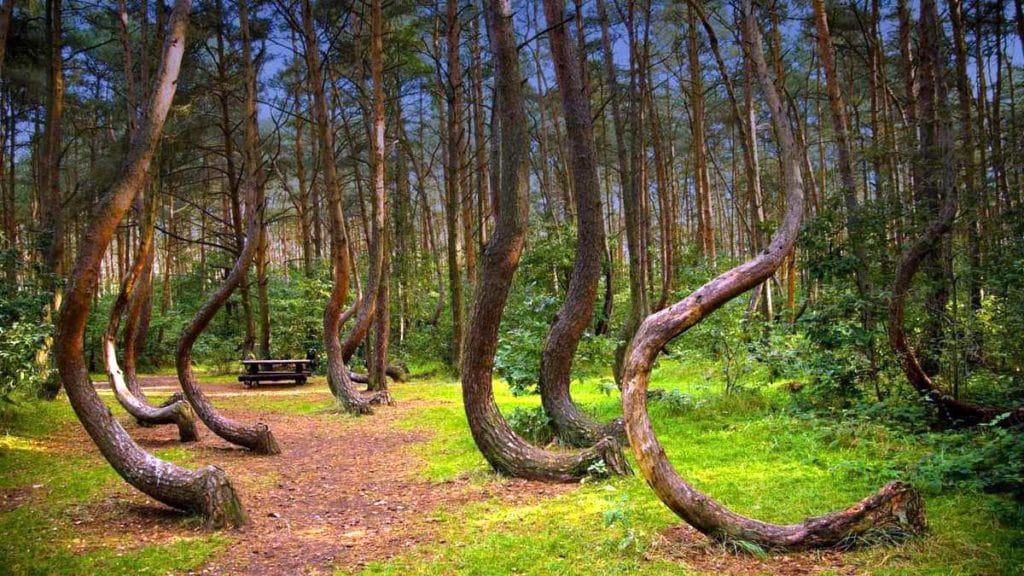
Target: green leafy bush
(991,460)
(19,343)
(532,424)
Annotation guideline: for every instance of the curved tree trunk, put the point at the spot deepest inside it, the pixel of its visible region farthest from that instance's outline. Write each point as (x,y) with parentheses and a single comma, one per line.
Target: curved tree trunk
(178,412)
(507,452)
(337,371)
(936,168)
(136,326)
(258,437)
(952,409)
(572,425)
(206,491)
(896,509)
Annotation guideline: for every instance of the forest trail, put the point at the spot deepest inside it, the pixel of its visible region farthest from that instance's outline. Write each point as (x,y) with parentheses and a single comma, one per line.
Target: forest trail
(344,492)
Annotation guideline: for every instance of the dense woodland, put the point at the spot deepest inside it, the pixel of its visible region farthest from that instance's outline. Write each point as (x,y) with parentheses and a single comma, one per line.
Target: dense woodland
(823,200)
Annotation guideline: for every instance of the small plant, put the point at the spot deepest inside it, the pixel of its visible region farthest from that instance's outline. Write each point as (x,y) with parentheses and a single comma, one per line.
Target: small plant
(598,469)
(532,424)
(618,515)
(677,402)
(606,386)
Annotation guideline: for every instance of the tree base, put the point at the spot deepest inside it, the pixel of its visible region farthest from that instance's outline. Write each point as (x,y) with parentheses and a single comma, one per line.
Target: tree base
(894,513)
(613,456)
(186,421)
(265,444)
(379,397)
(221,506)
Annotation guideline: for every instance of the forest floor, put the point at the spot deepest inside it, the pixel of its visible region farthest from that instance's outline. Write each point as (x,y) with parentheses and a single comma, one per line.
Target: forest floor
(405,492)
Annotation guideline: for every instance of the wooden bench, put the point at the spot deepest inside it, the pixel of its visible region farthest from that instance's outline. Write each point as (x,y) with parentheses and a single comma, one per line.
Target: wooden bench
(288,370)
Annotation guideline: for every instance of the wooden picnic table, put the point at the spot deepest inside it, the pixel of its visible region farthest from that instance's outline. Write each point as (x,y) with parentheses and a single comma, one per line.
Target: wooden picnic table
(278,370)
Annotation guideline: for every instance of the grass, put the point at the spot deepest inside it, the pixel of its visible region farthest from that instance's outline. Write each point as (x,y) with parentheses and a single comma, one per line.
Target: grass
(39,537)
(745,449)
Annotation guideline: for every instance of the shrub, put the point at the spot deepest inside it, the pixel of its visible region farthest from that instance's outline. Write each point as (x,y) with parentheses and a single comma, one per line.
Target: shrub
(532,424)
(19,343)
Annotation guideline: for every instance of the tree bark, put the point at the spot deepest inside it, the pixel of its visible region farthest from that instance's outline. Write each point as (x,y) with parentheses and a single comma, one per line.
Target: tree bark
(453,179)
(637,293)
(896,509)
(337,371)
(258,437)
(178,411)
(206,491)
(255,175)
(705,231)
(574,427)
(52,240)
(507,452)
(378,290)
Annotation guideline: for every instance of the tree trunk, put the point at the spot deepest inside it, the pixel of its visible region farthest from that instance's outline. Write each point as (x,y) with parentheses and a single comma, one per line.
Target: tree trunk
(176,412)
(507,452)
(705,230)
(206,491)
(378,289)
(572,425)
(967,156)
(937,180)
(52,240)
(896,509)
(258,437)
(255,175)
(627,183)
(453,179)
(337,374)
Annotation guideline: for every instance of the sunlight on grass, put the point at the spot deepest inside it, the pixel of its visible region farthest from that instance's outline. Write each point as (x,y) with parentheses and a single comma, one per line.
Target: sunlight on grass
(743,449)
(39,536)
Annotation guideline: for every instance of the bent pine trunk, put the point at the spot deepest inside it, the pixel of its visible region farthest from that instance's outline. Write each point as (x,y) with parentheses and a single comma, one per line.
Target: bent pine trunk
(897,509)
(572,425)
(177,412)
(504,450)
(337,371)
(206,491)
(257,437)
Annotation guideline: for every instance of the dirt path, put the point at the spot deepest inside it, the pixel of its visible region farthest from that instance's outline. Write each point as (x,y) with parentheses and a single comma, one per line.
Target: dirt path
(343,492)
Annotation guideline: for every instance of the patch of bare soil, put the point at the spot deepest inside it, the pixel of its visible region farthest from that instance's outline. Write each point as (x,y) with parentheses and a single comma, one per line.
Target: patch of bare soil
(12,498)
(344,492)
(682,543)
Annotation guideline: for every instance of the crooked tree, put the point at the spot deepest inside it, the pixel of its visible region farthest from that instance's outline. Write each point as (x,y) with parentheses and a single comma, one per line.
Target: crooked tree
(572,425)
(501,446)
(206,491)
(897,508)
(256,437)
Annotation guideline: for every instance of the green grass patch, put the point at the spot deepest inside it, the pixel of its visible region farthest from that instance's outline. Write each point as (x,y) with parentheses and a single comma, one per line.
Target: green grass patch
(39,537)
(744,449)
